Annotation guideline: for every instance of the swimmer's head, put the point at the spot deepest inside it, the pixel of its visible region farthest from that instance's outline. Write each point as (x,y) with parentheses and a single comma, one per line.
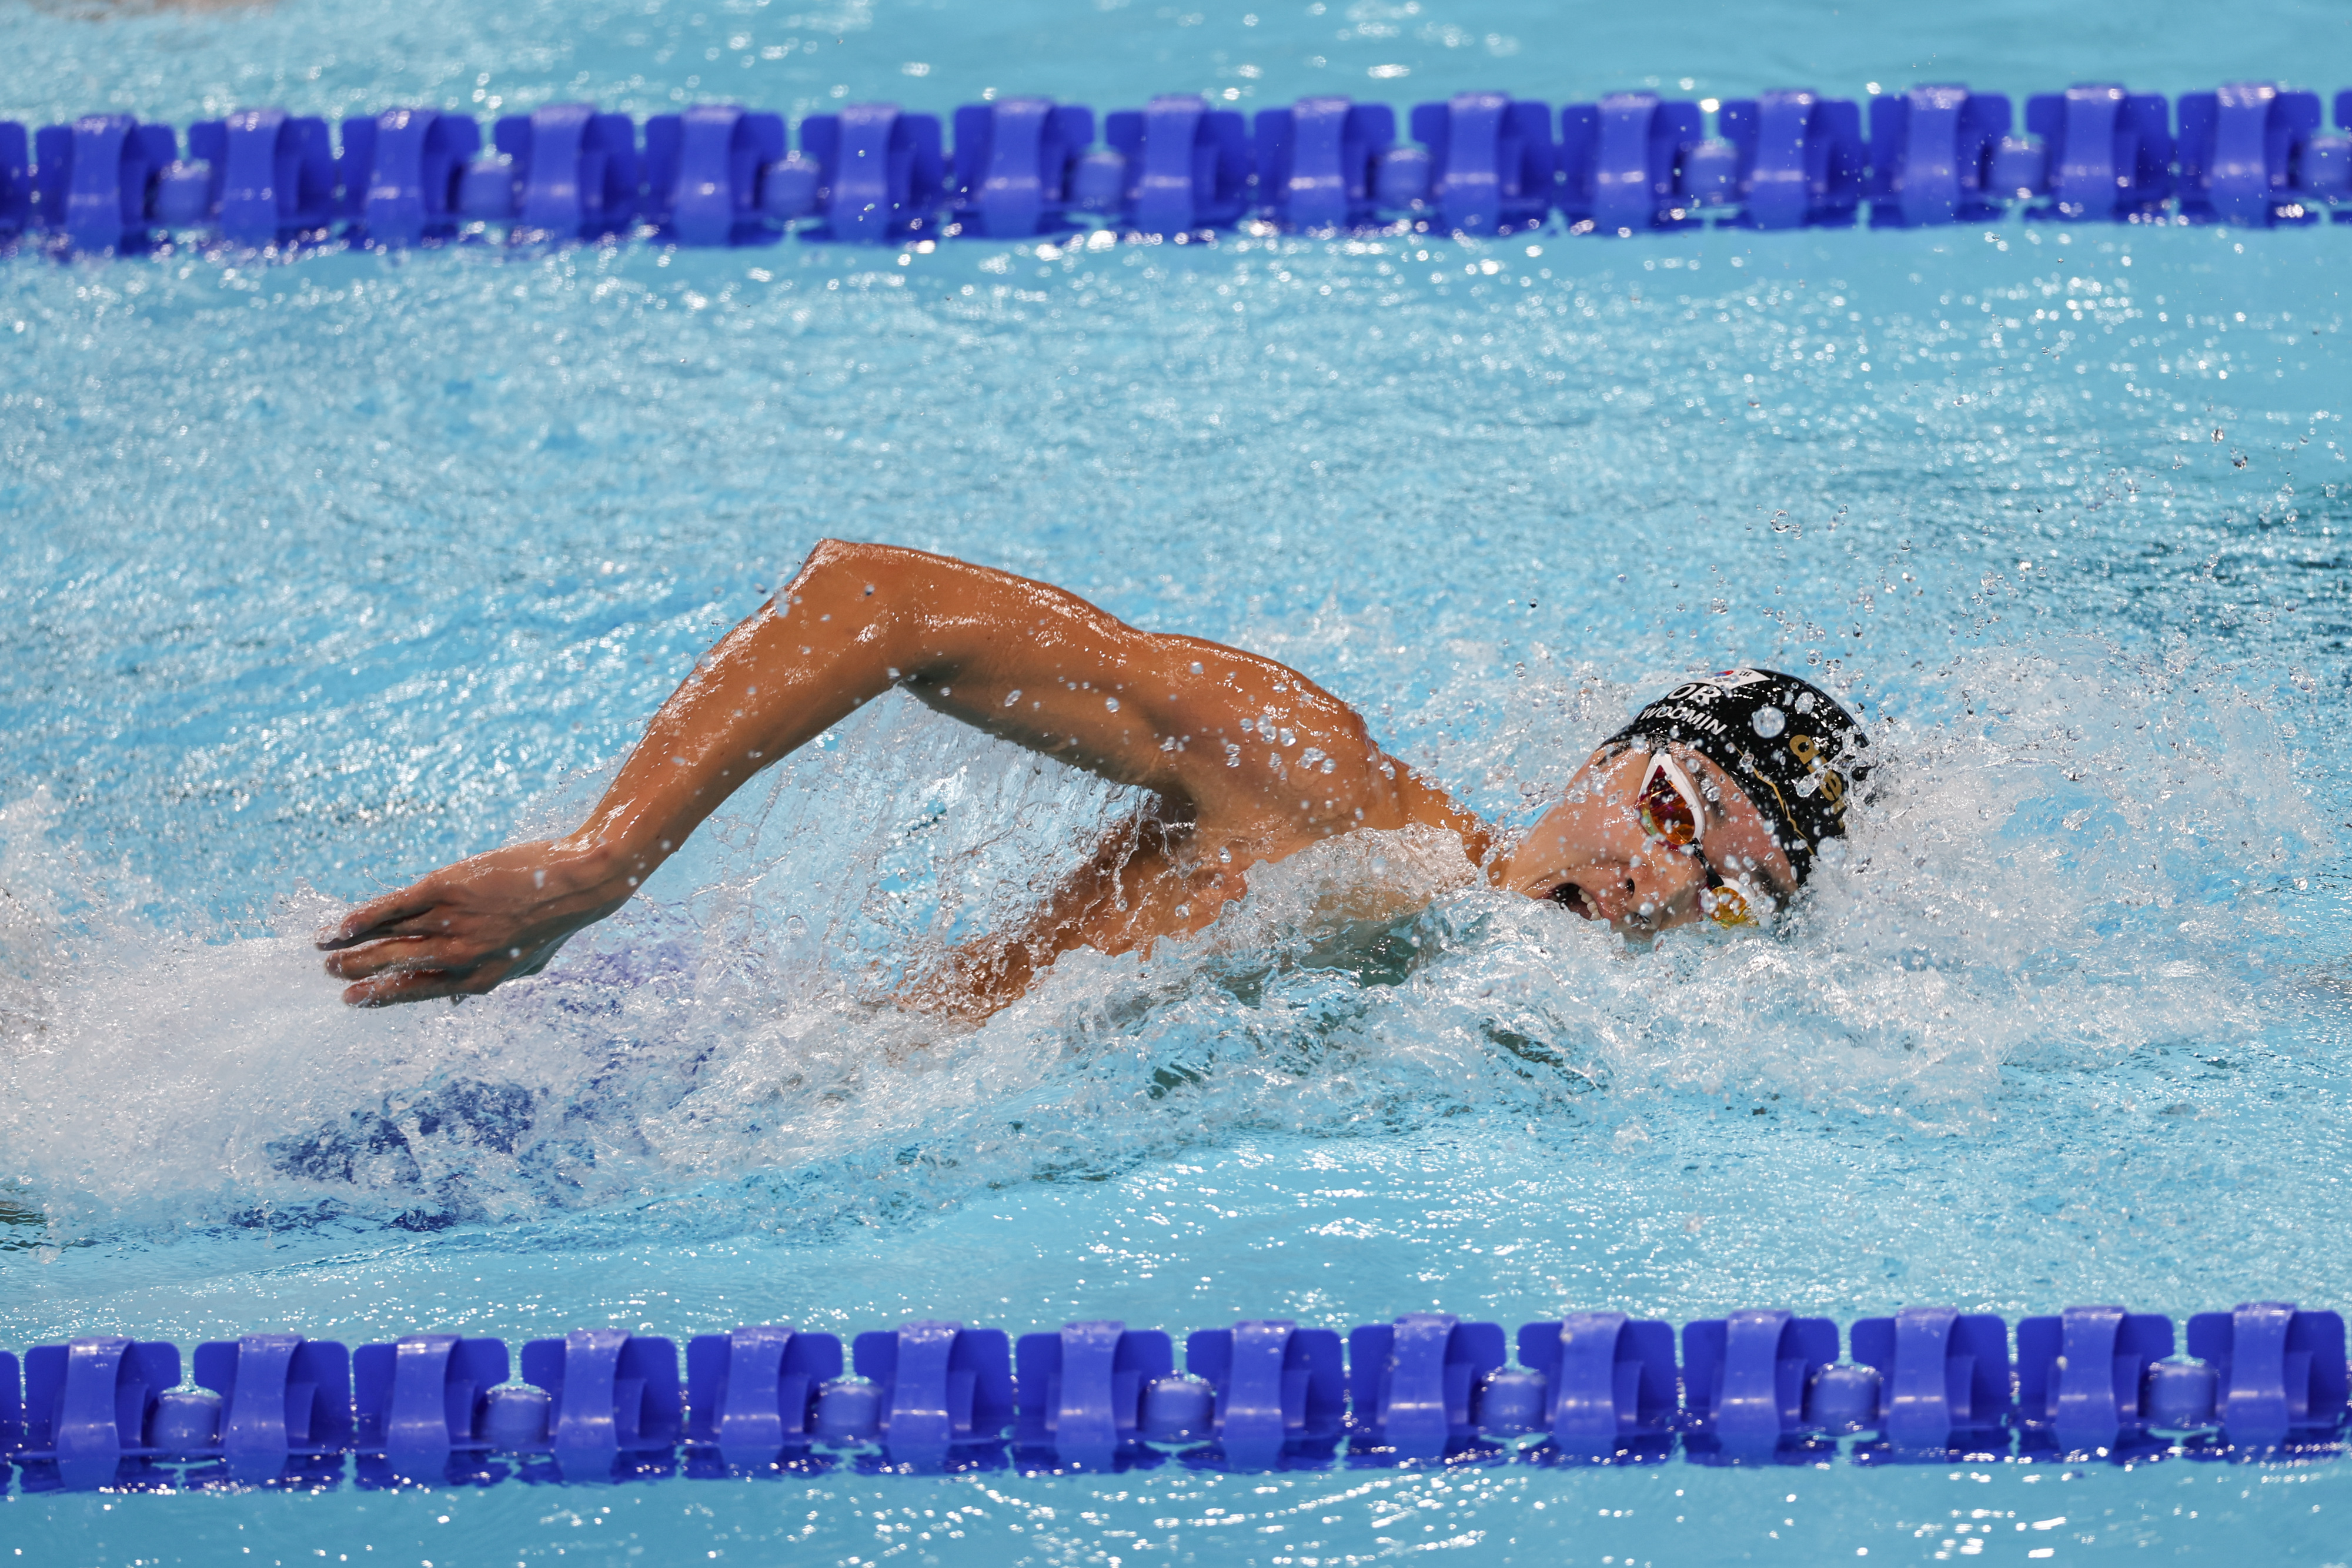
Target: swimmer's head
(1713,803)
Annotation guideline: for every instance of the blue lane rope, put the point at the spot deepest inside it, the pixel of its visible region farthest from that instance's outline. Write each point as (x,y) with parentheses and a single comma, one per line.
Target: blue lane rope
(2265,1380)
(2253,154)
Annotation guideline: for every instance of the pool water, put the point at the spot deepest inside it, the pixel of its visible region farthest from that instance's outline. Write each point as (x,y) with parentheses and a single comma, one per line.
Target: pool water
(322,570)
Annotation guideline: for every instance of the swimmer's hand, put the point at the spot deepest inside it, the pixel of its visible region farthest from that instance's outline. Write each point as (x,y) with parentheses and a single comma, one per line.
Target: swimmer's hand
(468,927)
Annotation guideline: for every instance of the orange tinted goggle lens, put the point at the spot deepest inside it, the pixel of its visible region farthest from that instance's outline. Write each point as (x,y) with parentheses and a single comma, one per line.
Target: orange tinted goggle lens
(1666,814)
(1725,905)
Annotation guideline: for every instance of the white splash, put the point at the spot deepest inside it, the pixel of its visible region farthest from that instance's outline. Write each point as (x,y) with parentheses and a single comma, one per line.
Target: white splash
(2063,857)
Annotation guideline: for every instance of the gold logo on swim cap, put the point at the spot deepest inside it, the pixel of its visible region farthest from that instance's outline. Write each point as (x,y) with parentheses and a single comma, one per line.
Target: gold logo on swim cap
(1806,748)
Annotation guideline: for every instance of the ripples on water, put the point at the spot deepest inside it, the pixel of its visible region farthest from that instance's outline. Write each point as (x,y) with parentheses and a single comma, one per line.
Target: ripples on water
(336,566)
(322,570)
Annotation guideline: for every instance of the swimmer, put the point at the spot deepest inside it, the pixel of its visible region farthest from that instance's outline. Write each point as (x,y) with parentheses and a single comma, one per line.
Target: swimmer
(1712,803)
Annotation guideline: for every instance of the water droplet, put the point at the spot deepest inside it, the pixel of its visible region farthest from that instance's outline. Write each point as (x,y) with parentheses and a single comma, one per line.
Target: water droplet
(1768,722)
(1012,697)
(1111,702)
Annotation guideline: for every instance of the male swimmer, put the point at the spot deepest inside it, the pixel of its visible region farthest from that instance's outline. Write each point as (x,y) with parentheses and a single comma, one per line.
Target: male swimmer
(1712,803)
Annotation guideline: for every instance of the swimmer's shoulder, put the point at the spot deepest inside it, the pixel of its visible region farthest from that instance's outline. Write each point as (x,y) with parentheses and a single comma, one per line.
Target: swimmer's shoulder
(1427,805)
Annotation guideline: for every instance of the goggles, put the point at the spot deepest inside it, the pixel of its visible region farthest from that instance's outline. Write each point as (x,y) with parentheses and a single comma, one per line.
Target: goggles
(1670,809)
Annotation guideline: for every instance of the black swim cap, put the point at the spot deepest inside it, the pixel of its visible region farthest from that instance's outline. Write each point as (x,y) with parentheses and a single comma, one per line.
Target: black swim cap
(1795,752)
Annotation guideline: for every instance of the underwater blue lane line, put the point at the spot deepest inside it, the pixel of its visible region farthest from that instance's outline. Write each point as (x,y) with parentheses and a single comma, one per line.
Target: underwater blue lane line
(2250,155)
(1761,1386)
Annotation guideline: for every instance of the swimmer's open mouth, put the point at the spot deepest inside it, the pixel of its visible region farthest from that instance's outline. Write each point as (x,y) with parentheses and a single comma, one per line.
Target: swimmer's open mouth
(1569,893)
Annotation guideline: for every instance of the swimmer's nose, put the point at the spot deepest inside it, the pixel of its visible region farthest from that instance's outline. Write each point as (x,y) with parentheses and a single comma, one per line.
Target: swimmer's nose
(1659,895)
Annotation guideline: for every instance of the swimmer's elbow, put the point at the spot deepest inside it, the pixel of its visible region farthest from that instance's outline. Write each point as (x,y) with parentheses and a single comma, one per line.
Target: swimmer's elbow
(829,556)
(867,555)
(860,572)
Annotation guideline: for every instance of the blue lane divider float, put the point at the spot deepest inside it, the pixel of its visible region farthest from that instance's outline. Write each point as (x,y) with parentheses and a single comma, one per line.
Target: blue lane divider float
(568,173)
(1016,165)
(1081,1392)
(2083,1380)
(612,1399)
(1279,1390)
(1609,1384)
(940,1387)
(1797,159)
(1759,1386)
(1480,164)
(879,172)
(752,1395)
(1491,163)
(1944,1378)
(1413,1385)
(418,1403)
(1318,161)
(2281,1371)
(258,176)
(266,1405)
(91,1404)
(2104,153)
(1625,157)
(17,178)
(1187,165)
(12,1403)
(702,171)
(2239,149)
(1932,149)
(1746,1379)
(401,172)
(91,180)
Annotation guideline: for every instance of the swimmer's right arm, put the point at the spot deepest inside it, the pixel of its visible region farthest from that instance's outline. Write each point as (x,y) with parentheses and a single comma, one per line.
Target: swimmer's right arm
(1226,736)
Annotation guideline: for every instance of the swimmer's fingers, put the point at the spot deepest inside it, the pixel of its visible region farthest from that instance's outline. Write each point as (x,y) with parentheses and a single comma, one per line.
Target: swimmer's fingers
(405,956)
(392,914)
(469,926)
(418,969)
(417,985)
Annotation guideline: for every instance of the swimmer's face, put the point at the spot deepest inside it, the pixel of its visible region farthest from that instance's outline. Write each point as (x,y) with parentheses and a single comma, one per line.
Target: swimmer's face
(1591,853)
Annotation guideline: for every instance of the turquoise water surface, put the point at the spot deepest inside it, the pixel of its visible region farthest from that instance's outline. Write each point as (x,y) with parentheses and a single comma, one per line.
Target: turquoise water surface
(321,570)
